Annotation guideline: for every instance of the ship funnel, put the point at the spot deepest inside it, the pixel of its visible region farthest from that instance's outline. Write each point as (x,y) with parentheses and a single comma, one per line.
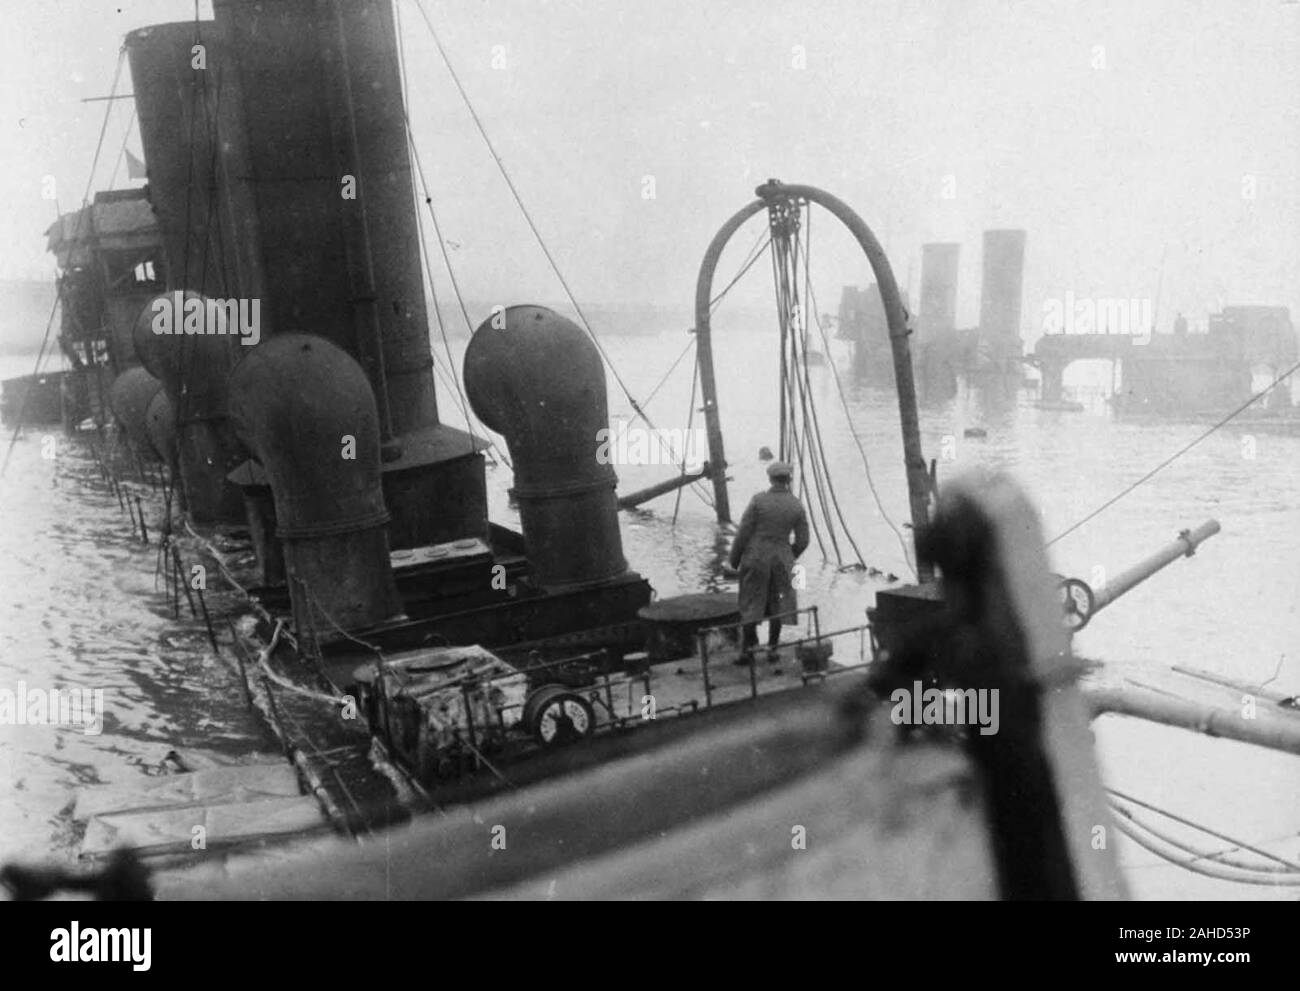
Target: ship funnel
(938,304)
(305,409)
(1002,289)
(537,379)
(192,146)
(321,176)
(193,368)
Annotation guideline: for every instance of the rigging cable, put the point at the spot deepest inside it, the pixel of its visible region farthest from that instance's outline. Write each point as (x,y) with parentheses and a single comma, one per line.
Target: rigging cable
(791,250)
(803,344)
(121,152)
(1219,857)
(857,440)
(76,235)
(787,435)
(803,431)
(555,268)
(536,234)
(1129,826)
(428,270)
(754,255)
(1239,844)
(531,224)
(672,368)
(690,420)
(1179,453)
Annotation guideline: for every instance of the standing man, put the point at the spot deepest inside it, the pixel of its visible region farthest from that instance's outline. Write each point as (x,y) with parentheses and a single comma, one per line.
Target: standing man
(765,558)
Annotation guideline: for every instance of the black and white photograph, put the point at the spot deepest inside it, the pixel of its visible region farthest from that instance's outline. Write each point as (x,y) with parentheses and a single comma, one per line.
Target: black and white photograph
(700,450)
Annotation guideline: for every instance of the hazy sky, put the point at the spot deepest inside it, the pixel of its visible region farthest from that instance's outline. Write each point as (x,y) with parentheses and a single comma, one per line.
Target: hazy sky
(1117,134)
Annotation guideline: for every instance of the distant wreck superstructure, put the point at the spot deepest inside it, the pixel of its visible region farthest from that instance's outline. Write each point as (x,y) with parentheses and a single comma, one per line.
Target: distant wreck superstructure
(989,356)
(1159,371)
(1180,372)
(110,255)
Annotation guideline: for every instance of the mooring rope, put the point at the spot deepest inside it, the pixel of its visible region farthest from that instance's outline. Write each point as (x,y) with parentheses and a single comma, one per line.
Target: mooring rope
(263,661)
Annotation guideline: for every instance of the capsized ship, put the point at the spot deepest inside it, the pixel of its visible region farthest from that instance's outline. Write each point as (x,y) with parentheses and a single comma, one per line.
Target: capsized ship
(572,736)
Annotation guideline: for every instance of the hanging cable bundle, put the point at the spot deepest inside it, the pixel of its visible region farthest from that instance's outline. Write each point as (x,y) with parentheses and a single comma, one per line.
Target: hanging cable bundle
(800,428)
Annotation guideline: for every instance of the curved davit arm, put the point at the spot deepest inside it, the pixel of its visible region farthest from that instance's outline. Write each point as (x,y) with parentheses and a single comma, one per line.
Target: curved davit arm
(771,192)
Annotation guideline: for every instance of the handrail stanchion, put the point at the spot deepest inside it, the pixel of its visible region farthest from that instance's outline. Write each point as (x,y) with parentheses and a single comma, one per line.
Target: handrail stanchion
(703,639)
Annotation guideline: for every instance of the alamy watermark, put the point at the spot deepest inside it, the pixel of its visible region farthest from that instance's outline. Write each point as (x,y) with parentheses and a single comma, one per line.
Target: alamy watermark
(628,444)
(25,706)
(918,706)
(1094,315)
(177,313)
(90,945)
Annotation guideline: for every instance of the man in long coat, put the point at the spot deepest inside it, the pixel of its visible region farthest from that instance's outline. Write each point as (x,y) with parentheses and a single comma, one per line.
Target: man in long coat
(765,557)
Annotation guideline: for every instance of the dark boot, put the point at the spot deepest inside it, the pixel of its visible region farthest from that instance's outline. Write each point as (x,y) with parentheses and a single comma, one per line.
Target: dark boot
(749,640)
(773,639)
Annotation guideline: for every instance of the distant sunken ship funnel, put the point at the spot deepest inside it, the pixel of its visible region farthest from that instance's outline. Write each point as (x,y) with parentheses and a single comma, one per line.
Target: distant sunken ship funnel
(937,353)
(1002,291)
(537,379)
(938,303)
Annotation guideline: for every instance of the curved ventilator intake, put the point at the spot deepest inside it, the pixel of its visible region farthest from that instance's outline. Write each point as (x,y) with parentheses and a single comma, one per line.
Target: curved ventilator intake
(160,429)
(130,398)
(536,378)
(306,410)
(193,368)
